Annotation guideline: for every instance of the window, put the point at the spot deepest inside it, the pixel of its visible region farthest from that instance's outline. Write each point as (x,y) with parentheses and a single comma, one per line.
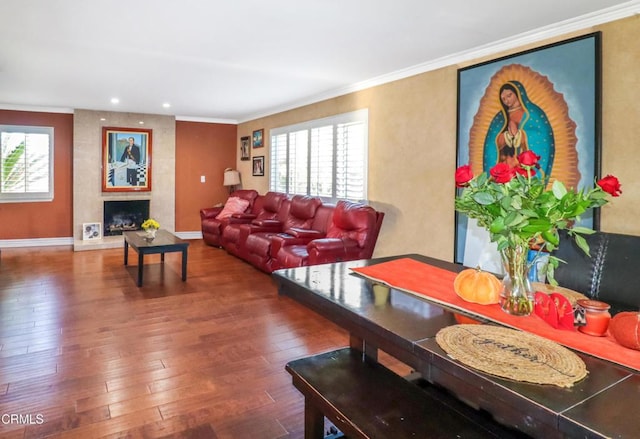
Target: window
(323,157)
(26,163)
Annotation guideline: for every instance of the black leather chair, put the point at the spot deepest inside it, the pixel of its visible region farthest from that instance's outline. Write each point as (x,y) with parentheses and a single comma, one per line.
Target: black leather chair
(608,275)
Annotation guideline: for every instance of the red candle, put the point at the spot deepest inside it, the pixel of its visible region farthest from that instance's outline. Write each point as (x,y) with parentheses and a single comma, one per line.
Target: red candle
(597,316)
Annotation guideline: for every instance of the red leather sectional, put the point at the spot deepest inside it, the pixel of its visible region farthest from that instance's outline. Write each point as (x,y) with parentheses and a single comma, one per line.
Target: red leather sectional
(276,231)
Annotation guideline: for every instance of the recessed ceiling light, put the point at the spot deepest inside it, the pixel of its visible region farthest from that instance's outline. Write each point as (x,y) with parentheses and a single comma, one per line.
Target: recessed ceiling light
(102,119)
(166,105)
(115,100)
(141,122)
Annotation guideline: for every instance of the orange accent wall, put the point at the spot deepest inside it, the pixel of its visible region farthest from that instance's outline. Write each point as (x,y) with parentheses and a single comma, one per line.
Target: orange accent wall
(201,149)
(52,219)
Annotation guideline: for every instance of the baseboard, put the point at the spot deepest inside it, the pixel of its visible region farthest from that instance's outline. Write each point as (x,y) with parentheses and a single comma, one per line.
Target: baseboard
(189,235)
(47,242)
(35,242)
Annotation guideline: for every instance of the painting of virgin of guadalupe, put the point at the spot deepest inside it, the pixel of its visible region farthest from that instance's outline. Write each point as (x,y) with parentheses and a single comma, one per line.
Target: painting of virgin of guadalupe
(544,100)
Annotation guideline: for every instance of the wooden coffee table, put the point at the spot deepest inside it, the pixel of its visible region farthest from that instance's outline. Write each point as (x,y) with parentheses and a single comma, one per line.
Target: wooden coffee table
(164,242)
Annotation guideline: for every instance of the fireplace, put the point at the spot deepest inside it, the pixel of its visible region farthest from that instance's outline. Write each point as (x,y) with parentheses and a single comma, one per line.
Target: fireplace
(122,216)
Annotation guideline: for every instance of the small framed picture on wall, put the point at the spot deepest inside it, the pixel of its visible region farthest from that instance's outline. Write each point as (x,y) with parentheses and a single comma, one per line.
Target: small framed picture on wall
(258,138)
(258,166)
(244,148)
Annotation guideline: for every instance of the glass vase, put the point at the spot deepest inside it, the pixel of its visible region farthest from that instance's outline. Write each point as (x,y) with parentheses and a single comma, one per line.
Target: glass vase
(517,294)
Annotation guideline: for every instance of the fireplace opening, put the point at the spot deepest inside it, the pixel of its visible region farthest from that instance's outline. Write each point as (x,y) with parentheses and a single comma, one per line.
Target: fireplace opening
(122,216)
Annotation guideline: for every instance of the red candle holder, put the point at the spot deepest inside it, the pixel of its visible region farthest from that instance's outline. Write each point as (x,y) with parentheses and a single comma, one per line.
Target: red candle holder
(597,315)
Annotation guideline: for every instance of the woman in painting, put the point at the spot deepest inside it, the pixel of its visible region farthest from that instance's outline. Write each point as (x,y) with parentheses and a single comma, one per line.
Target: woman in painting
(519,126)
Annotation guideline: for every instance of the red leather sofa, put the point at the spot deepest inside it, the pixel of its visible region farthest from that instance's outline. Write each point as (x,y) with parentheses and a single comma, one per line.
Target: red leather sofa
(277,232)
(266,209)
(212,225)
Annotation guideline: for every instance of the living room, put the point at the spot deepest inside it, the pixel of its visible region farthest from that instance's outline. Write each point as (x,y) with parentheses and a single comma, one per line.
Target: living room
(412,127)
(412,159)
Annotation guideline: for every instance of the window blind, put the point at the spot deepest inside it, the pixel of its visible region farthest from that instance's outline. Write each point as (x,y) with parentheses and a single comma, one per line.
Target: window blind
(324,157)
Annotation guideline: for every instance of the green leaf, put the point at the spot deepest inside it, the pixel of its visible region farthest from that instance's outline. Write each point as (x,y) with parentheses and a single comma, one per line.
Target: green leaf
(582,243)
(483,198)
(497,226)
(513,219)
(558,189)
(551,236)
(583,230)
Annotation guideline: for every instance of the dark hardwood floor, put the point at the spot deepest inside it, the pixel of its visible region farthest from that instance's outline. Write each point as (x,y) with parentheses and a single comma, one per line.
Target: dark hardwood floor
(84,353)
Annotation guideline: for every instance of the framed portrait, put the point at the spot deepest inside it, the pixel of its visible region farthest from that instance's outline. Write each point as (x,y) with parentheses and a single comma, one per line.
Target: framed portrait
(126,159)
(258,166)
(546,100)
(244,148)
(258,138)
(91,231)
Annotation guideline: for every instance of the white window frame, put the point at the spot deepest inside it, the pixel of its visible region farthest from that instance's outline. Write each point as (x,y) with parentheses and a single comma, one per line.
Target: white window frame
(361,116)
(22,197)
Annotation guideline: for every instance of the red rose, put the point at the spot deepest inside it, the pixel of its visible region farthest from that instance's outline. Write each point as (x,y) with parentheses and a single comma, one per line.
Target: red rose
(526,172)
(502,173)
(528,158)
(610,185)
(464,174)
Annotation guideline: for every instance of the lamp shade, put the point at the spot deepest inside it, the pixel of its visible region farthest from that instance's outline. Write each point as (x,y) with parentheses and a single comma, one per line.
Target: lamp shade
(231,177)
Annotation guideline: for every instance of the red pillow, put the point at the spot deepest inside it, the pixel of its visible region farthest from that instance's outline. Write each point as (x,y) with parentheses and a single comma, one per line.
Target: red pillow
(233,205)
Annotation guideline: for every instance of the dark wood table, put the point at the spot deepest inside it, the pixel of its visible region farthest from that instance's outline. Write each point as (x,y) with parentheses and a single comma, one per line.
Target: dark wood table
(164,242)
(403,325)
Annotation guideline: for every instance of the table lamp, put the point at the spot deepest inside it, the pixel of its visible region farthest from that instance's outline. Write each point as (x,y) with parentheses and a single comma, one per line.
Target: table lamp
(231,179)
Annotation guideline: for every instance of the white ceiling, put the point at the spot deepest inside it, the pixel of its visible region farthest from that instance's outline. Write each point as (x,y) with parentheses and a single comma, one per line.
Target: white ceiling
(235,60)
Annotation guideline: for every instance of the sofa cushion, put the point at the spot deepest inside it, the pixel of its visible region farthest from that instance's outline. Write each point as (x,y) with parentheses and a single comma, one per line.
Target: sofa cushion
(302,211)
(271,205)
(233,205)
(352,220)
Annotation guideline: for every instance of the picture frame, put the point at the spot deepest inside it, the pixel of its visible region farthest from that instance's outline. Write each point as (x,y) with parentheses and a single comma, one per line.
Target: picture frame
(91,231)
(244,148)
(126,159)
(258,166)
(559,85)
(258,138)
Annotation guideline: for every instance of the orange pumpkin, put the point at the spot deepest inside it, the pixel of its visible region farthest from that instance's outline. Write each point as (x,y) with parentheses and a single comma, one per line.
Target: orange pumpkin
(477,286)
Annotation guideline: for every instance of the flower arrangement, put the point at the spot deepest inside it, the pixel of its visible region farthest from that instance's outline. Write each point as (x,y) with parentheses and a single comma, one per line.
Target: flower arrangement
(515,206)
(150,224)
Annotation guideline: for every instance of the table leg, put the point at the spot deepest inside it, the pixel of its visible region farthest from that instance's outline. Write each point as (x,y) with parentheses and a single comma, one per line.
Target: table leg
(140,265)
(126,252)
(313,421)
(184,265)
(367,348)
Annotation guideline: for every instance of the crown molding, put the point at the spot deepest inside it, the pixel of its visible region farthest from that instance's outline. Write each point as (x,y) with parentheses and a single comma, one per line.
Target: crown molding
(206,120)
(576,24)
(35,108)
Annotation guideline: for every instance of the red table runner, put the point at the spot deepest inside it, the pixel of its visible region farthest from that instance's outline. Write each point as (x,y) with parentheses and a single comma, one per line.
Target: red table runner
(436,285)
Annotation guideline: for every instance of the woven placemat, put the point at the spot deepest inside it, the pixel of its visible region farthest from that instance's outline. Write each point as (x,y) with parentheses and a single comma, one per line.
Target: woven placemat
(508,353)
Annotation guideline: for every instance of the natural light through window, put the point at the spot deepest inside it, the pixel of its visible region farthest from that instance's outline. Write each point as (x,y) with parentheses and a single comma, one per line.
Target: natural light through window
(26,163)
(323,157)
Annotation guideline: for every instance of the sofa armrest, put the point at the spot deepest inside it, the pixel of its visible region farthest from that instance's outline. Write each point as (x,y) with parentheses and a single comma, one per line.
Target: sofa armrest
(244,216)
(287,238)
(305,234)
(266,225)
(210,212)
(325,250)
